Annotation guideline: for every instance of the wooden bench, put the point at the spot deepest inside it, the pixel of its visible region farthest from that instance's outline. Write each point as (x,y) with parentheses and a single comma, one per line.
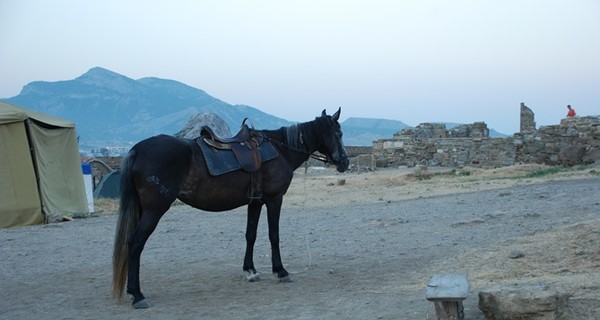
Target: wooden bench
(447,293)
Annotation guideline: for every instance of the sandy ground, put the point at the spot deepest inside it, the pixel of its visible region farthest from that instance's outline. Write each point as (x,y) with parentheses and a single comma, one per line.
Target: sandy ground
(359,246)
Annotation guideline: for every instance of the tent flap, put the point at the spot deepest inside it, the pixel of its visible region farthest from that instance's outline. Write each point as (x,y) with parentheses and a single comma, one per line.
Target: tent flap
(19,198)
(59,169)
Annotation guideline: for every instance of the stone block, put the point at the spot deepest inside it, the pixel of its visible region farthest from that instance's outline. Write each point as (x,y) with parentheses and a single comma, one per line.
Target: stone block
(572,155)
(525,302)
(592,156)
(393,144)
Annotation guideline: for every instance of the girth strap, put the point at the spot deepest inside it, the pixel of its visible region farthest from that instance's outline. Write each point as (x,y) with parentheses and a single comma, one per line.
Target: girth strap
(255,189)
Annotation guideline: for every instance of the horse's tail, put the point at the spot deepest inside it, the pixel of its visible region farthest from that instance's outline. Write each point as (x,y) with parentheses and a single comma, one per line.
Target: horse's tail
(129,216)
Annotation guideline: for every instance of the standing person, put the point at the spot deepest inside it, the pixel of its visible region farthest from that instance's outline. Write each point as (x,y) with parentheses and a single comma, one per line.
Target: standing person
(571,112)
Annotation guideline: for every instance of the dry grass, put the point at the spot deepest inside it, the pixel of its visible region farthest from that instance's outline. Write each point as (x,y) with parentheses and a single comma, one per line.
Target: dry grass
(105,206)
(407,183)
(400,184)
(567,259)
(571,253)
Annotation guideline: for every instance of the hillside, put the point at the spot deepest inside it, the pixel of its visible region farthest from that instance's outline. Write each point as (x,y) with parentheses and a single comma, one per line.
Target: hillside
(363,131)
(109,108)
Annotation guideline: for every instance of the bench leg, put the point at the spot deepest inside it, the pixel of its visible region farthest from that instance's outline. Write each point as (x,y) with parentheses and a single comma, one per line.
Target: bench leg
(449,310)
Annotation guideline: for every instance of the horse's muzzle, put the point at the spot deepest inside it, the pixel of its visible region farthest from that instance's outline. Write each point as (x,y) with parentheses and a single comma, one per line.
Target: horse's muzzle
(342,165)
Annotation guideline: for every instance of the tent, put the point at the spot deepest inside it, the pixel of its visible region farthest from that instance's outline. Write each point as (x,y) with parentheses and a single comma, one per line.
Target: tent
(109,186)
(40,171)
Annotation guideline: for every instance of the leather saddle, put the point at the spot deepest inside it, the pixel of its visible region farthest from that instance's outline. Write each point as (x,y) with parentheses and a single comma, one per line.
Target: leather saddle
(244,145)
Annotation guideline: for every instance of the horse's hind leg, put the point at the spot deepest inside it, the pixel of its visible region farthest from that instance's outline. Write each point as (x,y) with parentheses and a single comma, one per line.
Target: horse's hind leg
(146,226)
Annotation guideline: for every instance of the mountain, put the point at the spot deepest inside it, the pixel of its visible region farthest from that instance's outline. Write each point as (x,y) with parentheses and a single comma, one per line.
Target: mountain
(109,108)
(363,131)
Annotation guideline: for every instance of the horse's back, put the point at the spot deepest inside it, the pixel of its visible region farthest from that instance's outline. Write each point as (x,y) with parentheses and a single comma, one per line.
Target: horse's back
(161,140)
(162,148)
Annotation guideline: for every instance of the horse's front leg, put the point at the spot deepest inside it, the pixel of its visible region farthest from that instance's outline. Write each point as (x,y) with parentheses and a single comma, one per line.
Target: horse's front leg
(254,208)
(273,213)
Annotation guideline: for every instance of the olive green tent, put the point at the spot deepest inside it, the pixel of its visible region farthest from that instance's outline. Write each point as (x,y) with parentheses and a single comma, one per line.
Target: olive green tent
(40,171)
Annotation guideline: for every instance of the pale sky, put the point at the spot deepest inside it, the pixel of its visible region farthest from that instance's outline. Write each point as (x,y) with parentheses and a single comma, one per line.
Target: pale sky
(409,60)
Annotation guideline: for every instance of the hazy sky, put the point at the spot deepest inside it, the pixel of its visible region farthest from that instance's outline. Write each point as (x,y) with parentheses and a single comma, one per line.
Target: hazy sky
(409,60)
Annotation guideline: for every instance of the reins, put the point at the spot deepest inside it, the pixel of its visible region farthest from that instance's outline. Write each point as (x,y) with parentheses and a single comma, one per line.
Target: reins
(320,158)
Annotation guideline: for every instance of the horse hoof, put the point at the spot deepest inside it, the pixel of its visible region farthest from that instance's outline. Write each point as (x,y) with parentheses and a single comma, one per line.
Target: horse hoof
(253,276)
(142,304)
(286,279)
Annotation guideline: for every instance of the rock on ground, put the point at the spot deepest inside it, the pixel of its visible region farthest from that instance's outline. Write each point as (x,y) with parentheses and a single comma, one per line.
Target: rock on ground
(526,302)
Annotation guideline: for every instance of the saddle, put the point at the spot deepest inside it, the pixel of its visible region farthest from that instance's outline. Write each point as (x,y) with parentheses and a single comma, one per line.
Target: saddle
(242,136)
(244,145)
(247,150)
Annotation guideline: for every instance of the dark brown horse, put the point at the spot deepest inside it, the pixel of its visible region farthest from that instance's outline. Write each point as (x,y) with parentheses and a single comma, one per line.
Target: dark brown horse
(161,169)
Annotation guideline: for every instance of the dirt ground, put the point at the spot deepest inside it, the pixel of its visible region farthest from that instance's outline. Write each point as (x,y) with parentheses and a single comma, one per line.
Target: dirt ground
(358,245)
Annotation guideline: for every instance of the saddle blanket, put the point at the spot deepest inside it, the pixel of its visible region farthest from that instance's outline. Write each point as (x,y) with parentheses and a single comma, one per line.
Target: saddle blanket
(221,161)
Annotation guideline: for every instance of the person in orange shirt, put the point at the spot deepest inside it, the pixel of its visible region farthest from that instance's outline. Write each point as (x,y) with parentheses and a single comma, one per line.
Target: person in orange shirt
(571,112)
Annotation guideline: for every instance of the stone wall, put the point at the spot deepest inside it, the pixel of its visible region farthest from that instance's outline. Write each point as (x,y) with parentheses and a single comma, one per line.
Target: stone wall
(354,151)
(444,152)
(573,141)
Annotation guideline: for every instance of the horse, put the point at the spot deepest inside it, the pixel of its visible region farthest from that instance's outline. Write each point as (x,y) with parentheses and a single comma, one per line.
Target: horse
(163,168)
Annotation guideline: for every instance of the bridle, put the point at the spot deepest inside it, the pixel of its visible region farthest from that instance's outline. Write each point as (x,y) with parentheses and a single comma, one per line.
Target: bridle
(296,144)
(322,158)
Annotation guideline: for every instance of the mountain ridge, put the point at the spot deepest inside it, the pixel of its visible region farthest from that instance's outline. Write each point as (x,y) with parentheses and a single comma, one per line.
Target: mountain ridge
(112,109)
(109,107)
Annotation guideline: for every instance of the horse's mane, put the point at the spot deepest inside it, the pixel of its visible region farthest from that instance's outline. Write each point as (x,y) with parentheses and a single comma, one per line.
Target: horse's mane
(300,136)
(293,137)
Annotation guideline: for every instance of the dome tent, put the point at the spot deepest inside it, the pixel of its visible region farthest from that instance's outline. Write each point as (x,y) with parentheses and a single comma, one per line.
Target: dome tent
(40,171)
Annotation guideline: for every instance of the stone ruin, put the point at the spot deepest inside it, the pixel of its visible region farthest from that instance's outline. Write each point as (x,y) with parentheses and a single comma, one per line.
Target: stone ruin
(192,128)
(573,141)
(527,119)
(438,130)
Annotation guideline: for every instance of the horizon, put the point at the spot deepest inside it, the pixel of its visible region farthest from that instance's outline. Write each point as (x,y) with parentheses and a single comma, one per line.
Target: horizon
(415,62)
(109,73)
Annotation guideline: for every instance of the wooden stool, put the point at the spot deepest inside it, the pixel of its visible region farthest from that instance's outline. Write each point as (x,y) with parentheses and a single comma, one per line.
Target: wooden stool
(447,293)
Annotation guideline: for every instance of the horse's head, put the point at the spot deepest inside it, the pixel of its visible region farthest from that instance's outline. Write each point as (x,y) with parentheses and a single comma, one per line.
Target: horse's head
(331,144)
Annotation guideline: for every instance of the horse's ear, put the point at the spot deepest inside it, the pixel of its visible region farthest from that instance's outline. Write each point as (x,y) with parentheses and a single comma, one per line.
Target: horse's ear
(323,113)
(336,116)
